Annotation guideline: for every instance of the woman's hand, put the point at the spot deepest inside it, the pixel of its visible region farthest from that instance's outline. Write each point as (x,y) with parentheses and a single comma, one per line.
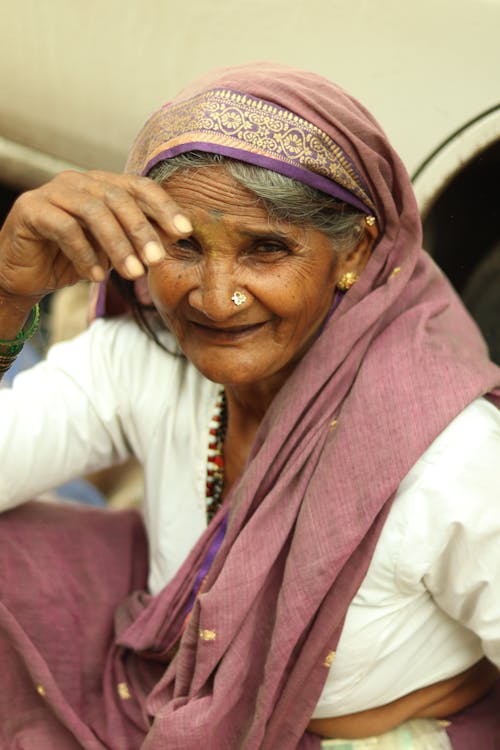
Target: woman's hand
(79,225)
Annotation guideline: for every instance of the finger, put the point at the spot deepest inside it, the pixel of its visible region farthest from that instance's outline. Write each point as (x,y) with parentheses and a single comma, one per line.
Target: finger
(156,203)
(59,227)
(119,212)
(100,223)
(137,227)
(109,212)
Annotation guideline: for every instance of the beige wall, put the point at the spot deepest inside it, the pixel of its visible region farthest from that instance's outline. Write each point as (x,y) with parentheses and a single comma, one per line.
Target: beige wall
(78,77)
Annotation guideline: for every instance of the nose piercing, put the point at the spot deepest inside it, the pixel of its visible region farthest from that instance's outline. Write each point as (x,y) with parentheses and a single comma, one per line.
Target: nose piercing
(239,298)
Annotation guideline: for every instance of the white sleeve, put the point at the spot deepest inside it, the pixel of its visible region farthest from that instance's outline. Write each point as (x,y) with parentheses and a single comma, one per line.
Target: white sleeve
(72,413)
(461,535)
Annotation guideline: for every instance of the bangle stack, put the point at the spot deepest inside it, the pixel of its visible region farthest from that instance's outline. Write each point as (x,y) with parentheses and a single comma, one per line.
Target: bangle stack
(10,349)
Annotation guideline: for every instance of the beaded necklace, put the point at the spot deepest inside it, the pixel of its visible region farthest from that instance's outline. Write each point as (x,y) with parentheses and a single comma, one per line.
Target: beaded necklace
(213,501)
(215,459)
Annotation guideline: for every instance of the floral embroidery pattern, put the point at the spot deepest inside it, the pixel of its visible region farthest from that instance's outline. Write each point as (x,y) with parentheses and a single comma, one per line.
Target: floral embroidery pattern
(230,120)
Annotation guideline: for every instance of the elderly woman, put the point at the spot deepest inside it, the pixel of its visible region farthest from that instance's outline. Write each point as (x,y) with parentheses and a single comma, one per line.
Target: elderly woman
(317,418)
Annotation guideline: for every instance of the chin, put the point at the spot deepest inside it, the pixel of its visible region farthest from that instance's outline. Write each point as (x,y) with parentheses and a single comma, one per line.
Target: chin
(232,375)
(226,378)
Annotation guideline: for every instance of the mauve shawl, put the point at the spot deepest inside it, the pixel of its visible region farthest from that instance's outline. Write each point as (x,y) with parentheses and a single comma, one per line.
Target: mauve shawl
(397,361)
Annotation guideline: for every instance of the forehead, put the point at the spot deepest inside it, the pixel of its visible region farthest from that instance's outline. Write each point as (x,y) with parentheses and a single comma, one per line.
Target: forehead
(214,191)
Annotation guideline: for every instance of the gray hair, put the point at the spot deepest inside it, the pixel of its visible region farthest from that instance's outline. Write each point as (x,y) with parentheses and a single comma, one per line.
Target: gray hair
(284,198)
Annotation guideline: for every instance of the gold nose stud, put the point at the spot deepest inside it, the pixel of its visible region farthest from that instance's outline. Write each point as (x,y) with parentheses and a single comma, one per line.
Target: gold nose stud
(239,298)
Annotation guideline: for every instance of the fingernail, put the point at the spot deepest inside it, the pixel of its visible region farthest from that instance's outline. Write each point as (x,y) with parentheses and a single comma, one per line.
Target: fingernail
(153,252)
(133,266)
(182,224)
(97,273)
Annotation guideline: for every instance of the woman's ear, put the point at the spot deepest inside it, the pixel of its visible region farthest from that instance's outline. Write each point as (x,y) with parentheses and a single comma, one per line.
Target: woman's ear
(354,261)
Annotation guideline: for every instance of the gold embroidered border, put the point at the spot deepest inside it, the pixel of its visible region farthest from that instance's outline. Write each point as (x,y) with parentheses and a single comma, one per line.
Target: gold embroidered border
(238,121)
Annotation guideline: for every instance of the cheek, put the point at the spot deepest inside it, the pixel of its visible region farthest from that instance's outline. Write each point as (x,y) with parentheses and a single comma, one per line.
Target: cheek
(167,286)
(165,290)
(300,297)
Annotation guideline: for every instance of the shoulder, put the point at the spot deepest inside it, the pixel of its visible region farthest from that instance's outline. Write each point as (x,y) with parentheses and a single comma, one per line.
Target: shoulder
(116,349)
(461,459)
(118,336)
(116,369)
(450,494)
(463,442)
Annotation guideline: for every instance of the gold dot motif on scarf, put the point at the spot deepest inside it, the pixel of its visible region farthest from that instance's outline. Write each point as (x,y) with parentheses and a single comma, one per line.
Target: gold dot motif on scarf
(395,272)
(41,690)
(329,659)
(123,691)
(207,635)
(333,424)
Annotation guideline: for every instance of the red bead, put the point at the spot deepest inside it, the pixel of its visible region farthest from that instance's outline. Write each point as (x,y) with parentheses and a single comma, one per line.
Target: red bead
(215,463)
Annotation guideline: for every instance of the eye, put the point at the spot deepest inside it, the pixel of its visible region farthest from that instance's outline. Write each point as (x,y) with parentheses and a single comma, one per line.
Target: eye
(269,249)
(184,248)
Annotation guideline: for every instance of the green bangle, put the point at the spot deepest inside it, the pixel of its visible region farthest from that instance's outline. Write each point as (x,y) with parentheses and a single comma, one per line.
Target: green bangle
(13,347)
(6,364)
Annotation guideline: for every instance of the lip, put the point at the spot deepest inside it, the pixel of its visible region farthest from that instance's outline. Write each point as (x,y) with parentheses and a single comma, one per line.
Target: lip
(228,334)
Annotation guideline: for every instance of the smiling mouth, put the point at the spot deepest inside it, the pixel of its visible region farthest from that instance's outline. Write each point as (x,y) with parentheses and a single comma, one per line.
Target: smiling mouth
(231,333)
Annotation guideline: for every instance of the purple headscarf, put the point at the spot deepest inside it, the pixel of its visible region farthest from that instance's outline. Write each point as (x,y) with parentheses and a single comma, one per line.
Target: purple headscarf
(398,360)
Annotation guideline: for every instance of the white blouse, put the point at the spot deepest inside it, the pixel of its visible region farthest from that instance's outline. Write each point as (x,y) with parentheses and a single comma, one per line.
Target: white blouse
(429,606)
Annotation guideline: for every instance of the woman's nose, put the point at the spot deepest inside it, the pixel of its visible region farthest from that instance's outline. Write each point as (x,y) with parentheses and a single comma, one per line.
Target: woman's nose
(213,296)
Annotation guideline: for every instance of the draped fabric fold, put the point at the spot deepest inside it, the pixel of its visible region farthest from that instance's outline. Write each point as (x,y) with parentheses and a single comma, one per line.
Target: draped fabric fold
(398,360)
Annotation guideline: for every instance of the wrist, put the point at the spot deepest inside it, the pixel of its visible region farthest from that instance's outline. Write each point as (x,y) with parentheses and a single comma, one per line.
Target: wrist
(10,348)
(14,313)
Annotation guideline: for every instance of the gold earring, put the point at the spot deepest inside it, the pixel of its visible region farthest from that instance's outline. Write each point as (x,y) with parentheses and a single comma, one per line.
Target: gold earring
(346,281)
(370,220)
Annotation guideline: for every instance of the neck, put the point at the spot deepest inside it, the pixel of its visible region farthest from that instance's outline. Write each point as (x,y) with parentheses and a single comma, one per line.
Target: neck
(249,403)
(246,407)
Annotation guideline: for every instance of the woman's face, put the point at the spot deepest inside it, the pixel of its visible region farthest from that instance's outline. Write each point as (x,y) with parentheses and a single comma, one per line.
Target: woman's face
(287,273)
